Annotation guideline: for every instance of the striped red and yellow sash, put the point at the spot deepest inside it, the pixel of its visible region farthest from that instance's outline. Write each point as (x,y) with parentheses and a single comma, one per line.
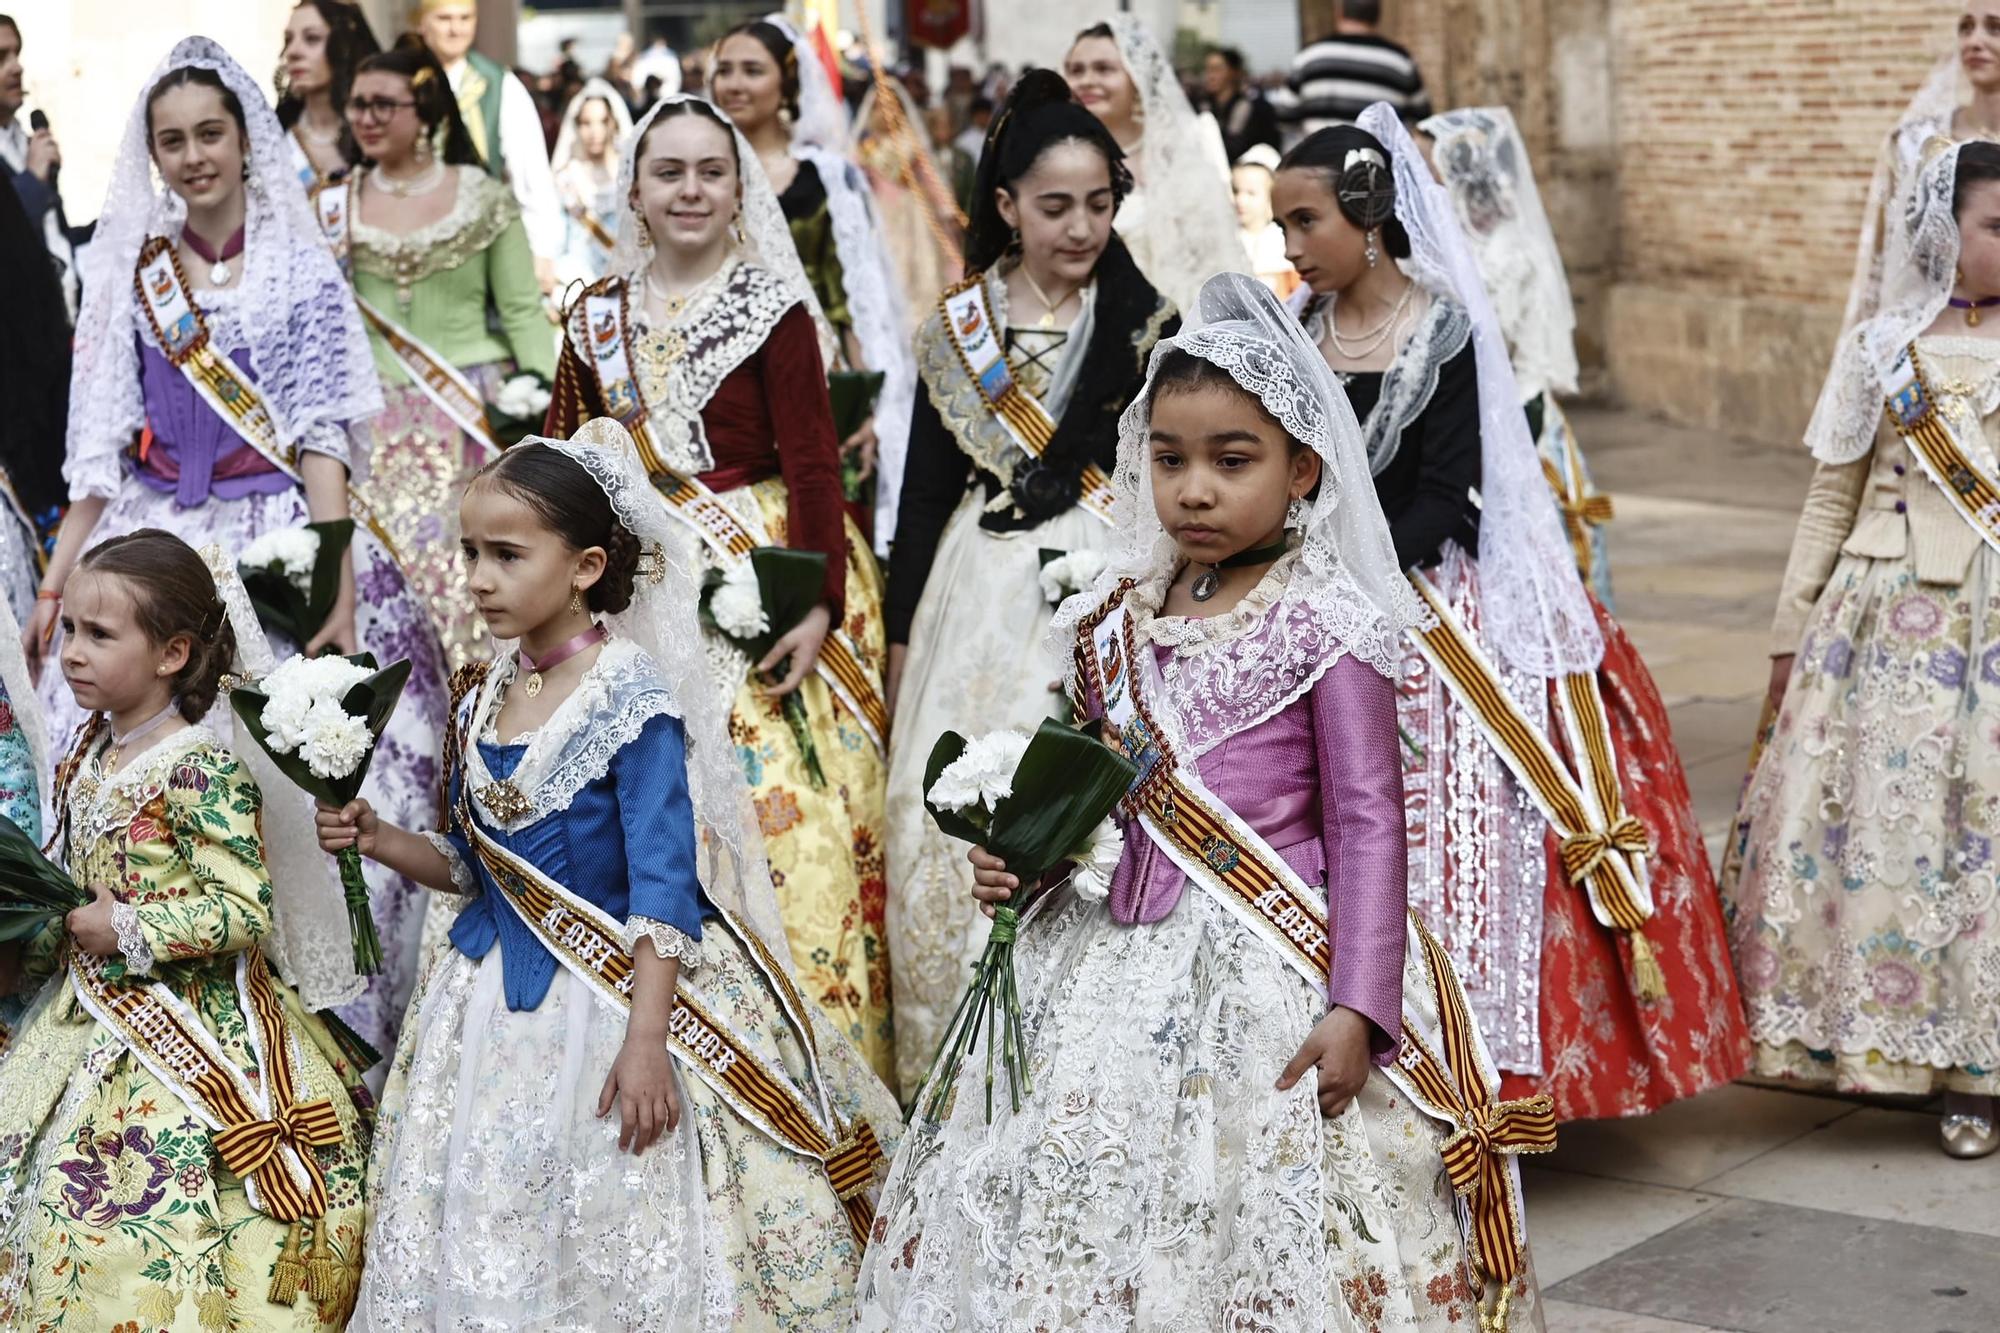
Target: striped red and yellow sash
(977,339)
(591,945)
(266,1138)
(1913,410)
(1602,846)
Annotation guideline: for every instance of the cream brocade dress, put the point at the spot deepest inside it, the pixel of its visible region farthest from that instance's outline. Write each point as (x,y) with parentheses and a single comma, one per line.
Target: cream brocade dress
(1864,919)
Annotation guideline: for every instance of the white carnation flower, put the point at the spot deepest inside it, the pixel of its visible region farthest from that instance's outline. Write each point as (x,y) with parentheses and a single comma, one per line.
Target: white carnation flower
(291,552)
(1092,877)
(298,686)
(1071,573)
(982,775)
(333,742)
(522,396)
(738,603)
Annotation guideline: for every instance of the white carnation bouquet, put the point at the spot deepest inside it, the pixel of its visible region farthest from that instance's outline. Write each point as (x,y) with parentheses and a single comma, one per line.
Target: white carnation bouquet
(293,576)
(319,718)
(517,408)
(1066,573)
(1034,803)
(757,601)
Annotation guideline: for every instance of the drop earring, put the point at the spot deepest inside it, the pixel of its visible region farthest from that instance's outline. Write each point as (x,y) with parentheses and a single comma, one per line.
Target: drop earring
(1295,513)
(1370,252)
(575,600)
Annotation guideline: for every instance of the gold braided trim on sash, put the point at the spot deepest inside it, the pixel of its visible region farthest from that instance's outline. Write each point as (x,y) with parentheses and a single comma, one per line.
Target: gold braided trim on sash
(1593,851)
(588,945)
(1489,1131)
(1019,411)
(187,1059)
(1913,412)
(1581,511)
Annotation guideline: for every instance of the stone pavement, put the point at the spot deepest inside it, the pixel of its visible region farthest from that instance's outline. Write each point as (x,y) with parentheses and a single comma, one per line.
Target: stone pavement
(1747,1209)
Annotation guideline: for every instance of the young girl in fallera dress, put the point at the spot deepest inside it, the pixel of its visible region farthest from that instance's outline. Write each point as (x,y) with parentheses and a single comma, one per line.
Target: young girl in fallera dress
(1232,1120)
(594,796)
(134,1192)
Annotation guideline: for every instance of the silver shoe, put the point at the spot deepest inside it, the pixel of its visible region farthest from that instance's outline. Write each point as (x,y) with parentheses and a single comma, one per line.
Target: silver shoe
(1967,1137)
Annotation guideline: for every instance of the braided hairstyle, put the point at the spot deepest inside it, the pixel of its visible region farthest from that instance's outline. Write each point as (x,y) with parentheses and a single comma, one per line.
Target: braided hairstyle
(1040,113)
(1358,172)
(772,38)
(437,105)
(173,596)
(574,507)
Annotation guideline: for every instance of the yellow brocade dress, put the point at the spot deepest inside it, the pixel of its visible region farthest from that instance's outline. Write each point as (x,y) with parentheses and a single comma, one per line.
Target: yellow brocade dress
(769,426)
(116,1213)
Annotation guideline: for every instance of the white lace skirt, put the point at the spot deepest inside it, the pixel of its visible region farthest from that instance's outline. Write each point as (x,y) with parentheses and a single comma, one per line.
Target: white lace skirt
(1156,1179)
(976,664)
(501,1201)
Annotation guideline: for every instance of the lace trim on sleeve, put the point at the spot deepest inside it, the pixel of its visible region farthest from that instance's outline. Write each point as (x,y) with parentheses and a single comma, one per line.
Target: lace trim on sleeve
(131,939)
(329,438)
(667,941)
(461,873)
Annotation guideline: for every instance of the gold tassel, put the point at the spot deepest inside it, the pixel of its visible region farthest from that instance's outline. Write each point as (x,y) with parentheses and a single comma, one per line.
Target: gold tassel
(322,1278)
(1646,974)
(289,1271)
(1496,1322)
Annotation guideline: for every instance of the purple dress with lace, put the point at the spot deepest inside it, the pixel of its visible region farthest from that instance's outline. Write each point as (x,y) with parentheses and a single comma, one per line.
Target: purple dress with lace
(198,480)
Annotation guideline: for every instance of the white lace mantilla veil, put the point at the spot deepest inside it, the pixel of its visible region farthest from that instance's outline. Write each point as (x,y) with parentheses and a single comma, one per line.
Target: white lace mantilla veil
(1183,173)
(663,620)
(310,941)
(1913,295)
(1485,166)
(823,135)
(1347,584)
(1536,611)
(308,352)
(621,120)
(767,237)
(1880,249)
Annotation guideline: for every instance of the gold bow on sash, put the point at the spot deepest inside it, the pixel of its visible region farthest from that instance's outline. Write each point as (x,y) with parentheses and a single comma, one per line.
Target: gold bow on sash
(1583,853)
(250,1148)
(1581,511)
(1489,1130)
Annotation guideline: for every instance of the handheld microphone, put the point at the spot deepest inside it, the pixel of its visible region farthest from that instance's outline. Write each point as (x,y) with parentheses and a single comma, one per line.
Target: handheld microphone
(38,120)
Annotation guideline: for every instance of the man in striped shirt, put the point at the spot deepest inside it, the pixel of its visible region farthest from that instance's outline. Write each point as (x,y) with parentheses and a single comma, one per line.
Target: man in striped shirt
(1336,78)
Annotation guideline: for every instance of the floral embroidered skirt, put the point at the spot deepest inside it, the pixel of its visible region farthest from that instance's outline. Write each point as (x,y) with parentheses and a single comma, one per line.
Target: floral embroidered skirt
(499,1199)
(114,1211)
(417,470)
(1483,863)
(976,663)
(1155,1178)
(824,843)
(402,779)
(1863,918)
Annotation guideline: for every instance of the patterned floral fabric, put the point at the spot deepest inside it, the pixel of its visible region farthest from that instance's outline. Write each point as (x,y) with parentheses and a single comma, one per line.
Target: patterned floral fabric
(402,778)
(1565,1018)
(1863,918)
(417,472)
(824,844)
(115,1211)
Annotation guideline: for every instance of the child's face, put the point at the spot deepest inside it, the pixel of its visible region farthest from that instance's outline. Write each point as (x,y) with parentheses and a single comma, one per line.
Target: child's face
(1063,208)
(521,573)
(1223,472)
(1329,252)
(107,659)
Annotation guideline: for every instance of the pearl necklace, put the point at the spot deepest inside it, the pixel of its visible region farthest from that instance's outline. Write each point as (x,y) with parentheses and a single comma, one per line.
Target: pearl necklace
(305,129)
(422,183)
(1375,337)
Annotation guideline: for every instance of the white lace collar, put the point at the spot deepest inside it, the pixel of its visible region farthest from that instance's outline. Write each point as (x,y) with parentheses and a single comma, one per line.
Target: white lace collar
(617,696)
(100,804)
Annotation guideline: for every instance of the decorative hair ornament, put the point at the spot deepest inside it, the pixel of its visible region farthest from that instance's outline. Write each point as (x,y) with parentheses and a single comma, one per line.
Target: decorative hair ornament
(1366,189)
(420,78)
(652,564)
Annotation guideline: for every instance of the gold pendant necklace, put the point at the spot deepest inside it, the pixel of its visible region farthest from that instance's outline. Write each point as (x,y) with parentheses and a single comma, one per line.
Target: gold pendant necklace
(1049,308)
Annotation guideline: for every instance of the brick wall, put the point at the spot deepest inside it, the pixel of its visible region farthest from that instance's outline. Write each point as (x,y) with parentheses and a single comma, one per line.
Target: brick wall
(1705,163)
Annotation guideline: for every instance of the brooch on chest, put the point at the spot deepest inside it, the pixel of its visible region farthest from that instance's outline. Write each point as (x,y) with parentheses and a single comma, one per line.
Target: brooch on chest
(504,801)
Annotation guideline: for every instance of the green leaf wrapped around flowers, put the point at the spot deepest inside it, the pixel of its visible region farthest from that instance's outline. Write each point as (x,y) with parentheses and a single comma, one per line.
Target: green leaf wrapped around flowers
(1064,787)
(34,891)
(373,700)
(790,583)
(281,607)
(852,394)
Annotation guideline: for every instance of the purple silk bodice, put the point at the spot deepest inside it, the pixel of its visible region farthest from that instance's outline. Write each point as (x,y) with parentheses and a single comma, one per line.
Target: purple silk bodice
(195,453)
(1321,781)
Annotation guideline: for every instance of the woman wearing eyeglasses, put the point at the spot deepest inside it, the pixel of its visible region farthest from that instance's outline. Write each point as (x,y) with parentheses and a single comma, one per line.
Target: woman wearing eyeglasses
(432,243)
